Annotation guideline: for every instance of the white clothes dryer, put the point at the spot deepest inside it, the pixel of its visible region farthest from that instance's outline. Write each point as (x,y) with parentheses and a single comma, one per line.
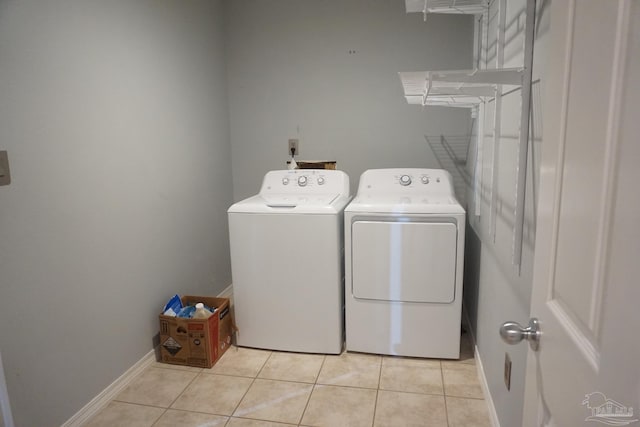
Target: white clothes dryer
(404,245)
(287,262)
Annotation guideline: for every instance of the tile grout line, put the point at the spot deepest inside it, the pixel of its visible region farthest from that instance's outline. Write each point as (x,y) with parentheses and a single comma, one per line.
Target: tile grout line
(444,394)
(347,386)
(115,399)
(278,423)
(324,359)
(465,397)
(264,364)
(230,375)
(137,404)
(250,385)
(315,383)
(375,404)
(161,415)
(313,387)
(417,393)
(164,409)
(178,396)
(347,353)
(198,412)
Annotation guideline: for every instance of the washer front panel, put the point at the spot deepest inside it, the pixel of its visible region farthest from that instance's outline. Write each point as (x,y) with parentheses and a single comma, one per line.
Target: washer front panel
(404,261)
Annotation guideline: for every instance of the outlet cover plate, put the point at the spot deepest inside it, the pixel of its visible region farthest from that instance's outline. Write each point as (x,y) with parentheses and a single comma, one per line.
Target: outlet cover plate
(293,143)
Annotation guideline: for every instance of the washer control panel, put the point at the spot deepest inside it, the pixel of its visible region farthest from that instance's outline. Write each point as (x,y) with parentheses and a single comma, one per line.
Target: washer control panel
(305,181)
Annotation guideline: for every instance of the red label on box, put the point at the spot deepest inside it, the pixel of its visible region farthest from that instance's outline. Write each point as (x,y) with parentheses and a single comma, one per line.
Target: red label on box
(195,326)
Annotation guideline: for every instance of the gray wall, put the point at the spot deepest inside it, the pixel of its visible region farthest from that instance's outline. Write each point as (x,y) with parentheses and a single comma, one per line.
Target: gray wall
(291,75)
(495,291)
(115,118)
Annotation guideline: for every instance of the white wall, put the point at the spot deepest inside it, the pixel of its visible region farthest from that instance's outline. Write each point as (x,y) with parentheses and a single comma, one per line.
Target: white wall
(115,119)
(291,75)
(496,291)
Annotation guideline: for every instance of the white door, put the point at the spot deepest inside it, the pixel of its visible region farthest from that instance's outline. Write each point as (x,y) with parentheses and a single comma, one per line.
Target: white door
(586,290)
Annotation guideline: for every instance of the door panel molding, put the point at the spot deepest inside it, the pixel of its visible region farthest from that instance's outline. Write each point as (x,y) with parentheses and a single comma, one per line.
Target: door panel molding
(610,165)
(583,341)
(559,165)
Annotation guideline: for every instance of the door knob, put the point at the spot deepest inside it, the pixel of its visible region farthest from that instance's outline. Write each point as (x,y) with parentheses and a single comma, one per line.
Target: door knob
(512,333)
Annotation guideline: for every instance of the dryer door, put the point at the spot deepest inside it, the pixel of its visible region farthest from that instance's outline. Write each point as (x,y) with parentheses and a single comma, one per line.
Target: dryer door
(404,261)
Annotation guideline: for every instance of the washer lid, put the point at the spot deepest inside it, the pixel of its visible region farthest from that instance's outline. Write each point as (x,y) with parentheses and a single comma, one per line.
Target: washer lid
(306,191)
(294,200)
(328,204)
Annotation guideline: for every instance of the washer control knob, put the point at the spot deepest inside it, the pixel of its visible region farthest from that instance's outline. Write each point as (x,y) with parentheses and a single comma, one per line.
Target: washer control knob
(425,179)
(320,180)
(405,180)
(285,181)
(302,181)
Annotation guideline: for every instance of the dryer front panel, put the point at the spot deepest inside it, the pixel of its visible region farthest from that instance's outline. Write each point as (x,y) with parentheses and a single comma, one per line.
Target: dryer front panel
(404,261)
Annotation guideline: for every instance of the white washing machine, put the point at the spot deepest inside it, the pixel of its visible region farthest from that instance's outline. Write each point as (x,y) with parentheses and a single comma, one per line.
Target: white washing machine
(287,262)
(404,245)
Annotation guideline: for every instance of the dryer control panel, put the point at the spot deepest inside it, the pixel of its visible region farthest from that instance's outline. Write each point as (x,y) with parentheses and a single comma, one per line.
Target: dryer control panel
(305,181)
(409,181)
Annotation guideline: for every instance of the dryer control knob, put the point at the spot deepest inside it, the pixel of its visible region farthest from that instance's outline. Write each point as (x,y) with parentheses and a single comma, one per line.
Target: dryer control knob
(320,180)
(285,181)
(405,180)
(302,181)
(425,179)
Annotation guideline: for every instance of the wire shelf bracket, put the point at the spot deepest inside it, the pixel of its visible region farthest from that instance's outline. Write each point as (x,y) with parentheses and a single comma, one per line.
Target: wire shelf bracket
(467,7)
(458,88)
(473,88)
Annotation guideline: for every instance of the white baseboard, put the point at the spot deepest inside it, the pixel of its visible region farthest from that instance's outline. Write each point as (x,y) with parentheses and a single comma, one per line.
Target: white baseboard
(493,415)
(6,418)
(227,293)
(103,399)
(106,395)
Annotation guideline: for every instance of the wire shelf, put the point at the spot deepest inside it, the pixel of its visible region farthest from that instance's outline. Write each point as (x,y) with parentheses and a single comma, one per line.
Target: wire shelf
(474,88)
(459,88)
(447,6)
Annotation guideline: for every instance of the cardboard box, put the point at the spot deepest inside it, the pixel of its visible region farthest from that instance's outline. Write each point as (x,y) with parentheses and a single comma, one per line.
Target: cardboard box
(196,342)
(315,164)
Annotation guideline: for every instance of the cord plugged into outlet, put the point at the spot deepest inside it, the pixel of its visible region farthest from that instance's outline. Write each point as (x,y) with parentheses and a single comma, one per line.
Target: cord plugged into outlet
(293,147)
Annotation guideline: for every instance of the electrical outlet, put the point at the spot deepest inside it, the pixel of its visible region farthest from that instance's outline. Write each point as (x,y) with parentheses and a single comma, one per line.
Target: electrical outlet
(5,176)
(293,145)
(507,371)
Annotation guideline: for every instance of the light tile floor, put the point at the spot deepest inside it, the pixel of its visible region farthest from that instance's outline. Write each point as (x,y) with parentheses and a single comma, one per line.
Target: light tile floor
(257,388)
